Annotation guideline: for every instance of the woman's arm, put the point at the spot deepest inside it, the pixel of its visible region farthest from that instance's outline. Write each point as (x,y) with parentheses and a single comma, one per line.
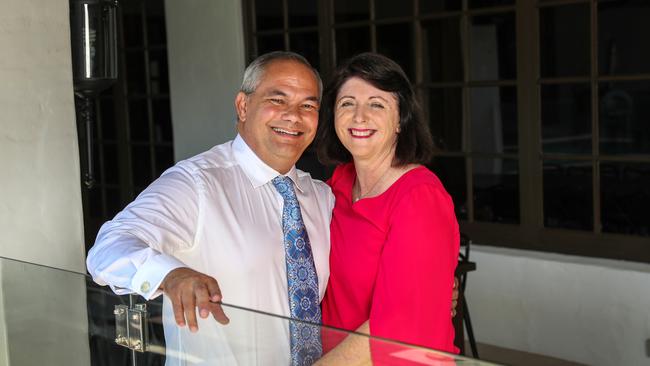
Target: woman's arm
(354,350)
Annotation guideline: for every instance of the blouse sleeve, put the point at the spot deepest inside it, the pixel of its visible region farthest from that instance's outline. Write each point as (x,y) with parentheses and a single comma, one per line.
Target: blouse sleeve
(413,289)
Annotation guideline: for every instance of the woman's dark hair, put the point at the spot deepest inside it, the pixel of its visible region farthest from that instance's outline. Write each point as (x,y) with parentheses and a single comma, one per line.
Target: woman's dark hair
(414,142)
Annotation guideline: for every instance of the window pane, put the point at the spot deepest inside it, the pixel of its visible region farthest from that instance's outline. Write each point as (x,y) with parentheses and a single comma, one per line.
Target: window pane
(444,110)
(303,13)
(494,119)
(95,203)
(451,172)
(113,202)
(566,118)
(351,41)
(392,9)
(132,24)
(568,200)
(164,159)
(493,53)
(496,190)
(624,117)
(441,50)
(162,121)
(306,44)
(396,41)
(623,37)
(274,42)
(135,75)
(434,6)
(564,40)
(268,14)
(107,114)
(111,168)
(158,71)
(486,3)
(141,165)
(351,10)
(625,195)
(139,120)
(156,31)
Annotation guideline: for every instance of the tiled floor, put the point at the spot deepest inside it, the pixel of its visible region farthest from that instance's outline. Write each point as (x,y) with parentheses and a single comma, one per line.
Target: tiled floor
(517,358)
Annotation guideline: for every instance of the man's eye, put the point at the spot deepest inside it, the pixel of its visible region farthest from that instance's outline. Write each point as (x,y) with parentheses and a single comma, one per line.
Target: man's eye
(309,107)
(276,100)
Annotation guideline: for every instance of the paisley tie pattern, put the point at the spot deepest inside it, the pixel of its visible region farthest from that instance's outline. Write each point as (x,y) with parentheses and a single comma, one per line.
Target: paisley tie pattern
(302,280)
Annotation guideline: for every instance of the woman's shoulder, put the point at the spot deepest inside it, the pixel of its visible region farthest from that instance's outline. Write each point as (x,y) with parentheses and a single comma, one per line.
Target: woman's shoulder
(421,184)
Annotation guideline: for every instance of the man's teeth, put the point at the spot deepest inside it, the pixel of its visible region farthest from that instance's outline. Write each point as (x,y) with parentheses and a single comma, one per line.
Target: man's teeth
(296,133)
(364,133)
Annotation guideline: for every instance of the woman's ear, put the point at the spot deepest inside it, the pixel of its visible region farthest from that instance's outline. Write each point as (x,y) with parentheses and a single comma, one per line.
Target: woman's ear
(241,101)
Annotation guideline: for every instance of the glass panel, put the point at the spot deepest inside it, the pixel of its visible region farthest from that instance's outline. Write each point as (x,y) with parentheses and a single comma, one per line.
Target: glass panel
(564,40)
(493,114)
(303,13)
(111,167)
(135,75)
(568,200)
(132,25)
(486,3)
(351,10)
(493,54)
(434,6)
(107,114)
(451,172)
(113,202)
(268,14)
(164,159)
(139,120)
(625,198)
(156,31)
(623,36)
(141,165)
(393,9)
(162,121)
(496,190)
(396,42)
(95,202)
(266,44)
(351,41)
(158,72)
(624,117)
(306,44)
(566,118)
(441,50)
(444,110)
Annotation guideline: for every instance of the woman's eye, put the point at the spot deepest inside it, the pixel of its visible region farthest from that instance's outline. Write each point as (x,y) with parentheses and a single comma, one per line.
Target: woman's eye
(377,105)
(345,104)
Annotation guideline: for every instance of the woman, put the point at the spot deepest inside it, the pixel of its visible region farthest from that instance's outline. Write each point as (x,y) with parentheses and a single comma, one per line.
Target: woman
(393,231)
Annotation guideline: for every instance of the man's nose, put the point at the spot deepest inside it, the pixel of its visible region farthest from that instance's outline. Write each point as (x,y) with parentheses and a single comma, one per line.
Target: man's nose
(291,114)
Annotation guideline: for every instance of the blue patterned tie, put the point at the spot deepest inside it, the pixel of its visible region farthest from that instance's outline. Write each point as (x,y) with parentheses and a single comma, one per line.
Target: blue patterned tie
(301,279)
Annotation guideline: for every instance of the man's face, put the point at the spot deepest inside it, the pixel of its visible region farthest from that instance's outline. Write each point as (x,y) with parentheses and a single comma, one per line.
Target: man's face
(279,119)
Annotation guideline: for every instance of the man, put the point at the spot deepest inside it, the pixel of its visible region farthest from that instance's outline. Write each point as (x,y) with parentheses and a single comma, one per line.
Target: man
(225,215)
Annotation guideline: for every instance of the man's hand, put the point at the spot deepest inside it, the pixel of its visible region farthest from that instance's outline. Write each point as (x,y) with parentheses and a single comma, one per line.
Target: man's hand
(454,298)
(189,289)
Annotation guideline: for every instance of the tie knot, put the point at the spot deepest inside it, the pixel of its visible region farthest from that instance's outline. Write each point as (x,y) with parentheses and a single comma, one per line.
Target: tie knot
(284,186)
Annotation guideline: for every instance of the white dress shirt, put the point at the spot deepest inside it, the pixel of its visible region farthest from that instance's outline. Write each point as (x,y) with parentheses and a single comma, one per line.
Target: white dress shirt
(217,213)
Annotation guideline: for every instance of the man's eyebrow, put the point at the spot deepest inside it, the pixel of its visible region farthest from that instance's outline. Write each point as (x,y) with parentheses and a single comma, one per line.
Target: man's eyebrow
(273,92)
(313,99)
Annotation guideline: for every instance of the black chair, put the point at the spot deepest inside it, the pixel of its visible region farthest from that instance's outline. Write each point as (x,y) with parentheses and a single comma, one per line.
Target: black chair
(465,266)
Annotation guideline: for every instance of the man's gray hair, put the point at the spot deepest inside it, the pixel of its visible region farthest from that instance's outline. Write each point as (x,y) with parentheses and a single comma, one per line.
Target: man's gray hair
(255,71)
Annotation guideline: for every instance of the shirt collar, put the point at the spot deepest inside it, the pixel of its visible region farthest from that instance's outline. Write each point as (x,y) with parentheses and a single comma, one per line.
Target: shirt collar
(257,171)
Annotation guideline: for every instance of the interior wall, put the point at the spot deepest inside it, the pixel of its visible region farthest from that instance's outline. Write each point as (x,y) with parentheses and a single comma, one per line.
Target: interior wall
(586,310)
(205,44)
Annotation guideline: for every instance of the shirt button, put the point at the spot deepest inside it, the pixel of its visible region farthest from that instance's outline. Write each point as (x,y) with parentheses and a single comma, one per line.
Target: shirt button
(145,287)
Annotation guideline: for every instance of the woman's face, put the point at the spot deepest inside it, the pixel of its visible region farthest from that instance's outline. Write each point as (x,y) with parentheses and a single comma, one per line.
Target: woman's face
(366,119)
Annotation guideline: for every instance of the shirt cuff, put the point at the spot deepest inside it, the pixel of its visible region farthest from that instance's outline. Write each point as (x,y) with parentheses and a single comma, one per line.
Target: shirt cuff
(148,278)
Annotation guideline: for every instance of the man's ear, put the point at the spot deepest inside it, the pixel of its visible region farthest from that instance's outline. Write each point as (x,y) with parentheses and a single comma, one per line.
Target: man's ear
(241,101)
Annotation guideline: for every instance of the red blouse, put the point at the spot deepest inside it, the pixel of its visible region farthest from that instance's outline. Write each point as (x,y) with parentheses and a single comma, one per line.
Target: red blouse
(392,260)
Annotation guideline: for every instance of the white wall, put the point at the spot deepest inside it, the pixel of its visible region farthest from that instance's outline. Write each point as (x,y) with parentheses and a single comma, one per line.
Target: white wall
(41,217)
(586,310)
(205,44)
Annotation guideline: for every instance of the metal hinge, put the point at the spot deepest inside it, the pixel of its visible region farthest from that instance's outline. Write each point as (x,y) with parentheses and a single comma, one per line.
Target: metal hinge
(131,329)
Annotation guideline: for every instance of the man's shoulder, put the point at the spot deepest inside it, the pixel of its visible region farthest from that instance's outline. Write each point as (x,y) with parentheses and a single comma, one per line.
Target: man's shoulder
(219,156)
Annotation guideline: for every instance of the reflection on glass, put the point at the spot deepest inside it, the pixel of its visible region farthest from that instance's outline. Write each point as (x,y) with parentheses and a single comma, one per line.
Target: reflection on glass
(434,6)
(623,36)
(441,54)
(444,110)
(303,13)
(624,112)
(566,118)
(451,172)
(493,53)
(486,3)
(268,14)
(568,200)
(306,44)
(396,41)
(496,190)
(138,120)
(493,116)
(273,42)
(564,40)
(393,9)
(625,198)
(351,41)
(351,10)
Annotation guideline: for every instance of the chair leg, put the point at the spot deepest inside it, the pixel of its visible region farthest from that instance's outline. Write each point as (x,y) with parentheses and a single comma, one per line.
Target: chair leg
(470,331)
